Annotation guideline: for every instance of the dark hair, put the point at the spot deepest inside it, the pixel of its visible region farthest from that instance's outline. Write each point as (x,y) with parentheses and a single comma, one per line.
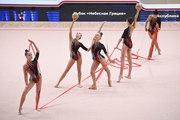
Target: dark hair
(130,20)
(155,12)
(26,51)
(101,34)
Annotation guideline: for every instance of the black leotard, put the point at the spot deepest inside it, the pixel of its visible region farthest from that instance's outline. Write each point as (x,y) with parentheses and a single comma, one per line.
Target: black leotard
(126,38)
(33,69)
(96,51)
(75,45)
(153,23)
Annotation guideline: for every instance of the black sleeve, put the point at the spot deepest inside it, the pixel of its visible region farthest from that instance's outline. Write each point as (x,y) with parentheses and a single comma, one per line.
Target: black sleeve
(36,57)
(159,22)
(83,47)
(104,49)
(124,33)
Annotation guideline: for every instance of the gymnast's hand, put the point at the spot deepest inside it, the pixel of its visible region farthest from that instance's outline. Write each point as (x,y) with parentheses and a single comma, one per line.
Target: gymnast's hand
(31,41)
(89,49)
(74,19)
(111,61)
(145,29)
(115,47)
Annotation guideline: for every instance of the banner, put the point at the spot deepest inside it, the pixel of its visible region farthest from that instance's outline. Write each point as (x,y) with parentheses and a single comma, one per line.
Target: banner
(87,12)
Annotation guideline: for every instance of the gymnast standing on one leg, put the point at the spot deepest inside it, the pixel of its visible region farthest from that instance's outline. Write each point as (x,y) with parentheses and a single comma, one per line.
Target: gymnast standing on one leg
(31,67)
(154,21)
(127,45)
(96,48)
(75,55)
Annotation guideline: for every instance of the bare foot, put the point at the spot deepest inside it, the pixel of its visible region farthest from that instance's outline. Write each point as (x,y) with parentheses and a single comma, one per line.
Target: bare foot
(109,83)
(128,77)
(56,86)
(119,79)
(93,87)
(159,52)
(20,109)
(149,58)
(79,85)
(38,109)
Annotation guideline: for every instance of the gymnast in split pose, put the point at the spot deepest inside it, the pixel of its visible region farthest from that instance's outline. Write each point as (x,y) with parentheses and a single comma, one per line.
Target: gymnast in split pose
(154,22)
(127,45)
(31,67)
(96,48)
(75,55)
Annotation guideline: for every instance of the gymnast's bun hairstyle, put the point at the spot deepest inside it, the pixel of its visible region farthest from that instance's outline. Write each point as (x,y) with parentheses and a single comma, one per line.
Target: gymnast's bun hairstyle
(130,20)
(101,34)
(26,51)
(155,12)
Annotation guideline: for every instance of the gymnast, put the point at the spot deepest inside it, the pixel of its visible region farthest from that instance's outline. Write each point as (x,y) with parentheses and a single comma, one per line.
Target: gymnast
(31,67)
(96,48)
(127,45)
(154,21)
(75,55)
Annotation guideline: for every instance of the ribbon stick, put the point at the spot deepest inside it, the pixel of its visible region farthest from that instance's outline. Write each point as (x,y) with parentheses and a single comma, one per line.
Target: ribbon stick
(37,77)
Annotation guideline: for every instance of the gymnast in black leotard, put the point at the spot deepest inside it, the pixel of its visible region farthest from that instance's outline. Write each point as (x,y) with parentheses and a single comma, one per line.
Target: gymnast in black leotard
(31,67)
(127,45)
(154,26)
(75,55)
(75,45)
(96,51)
(96,48)
(127,38)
